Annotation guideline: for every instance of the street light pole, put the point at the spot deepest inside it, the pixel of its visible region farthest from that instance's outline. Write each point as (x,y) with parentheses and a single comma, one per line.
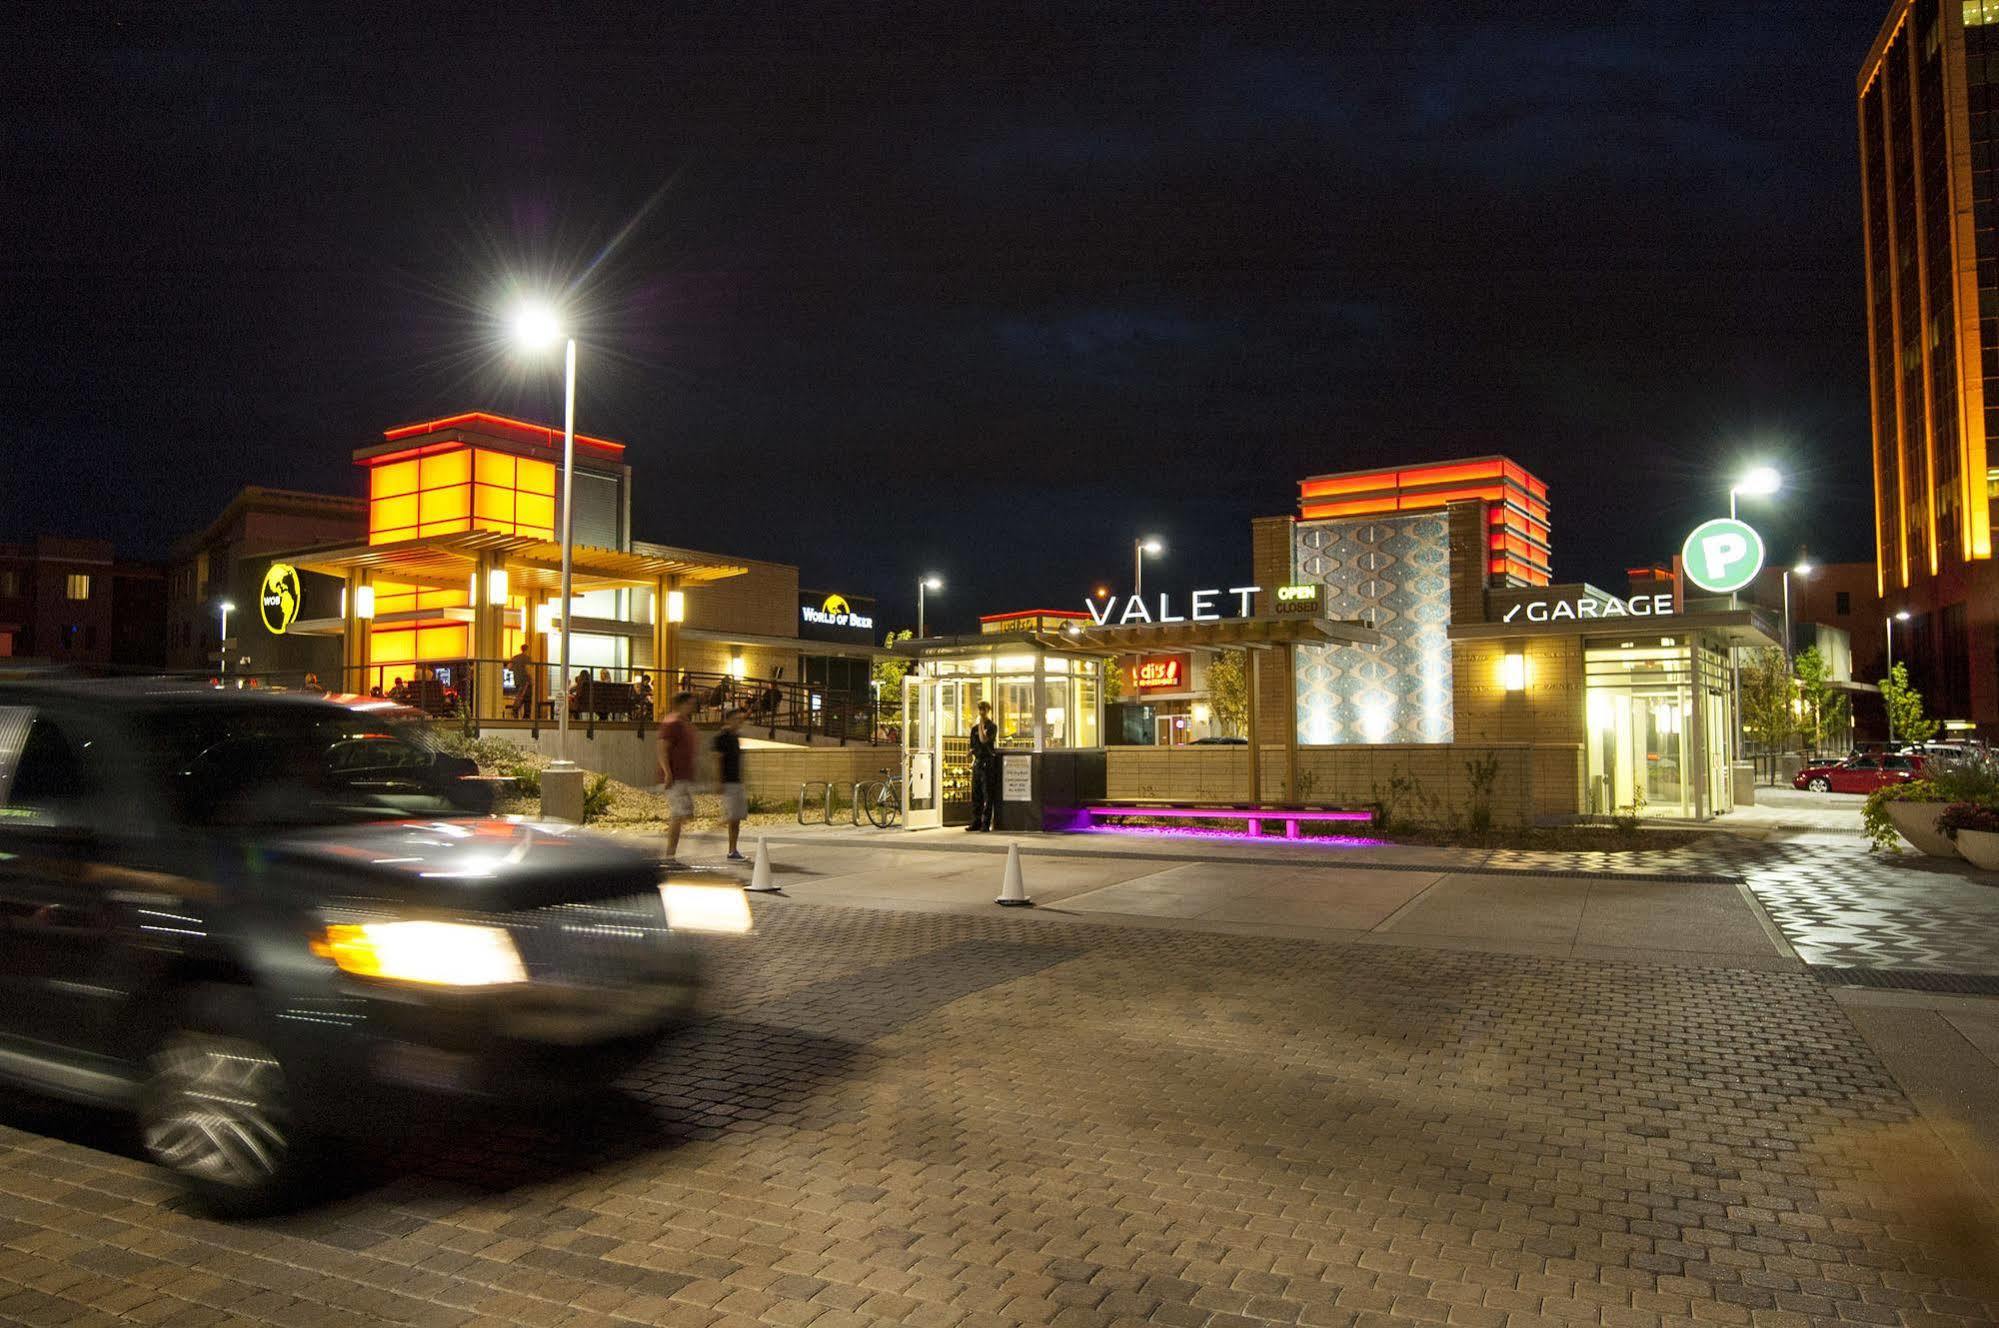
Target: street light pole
(1139,548)
(222,645)
(1888,626)
(926,582)
(568,532)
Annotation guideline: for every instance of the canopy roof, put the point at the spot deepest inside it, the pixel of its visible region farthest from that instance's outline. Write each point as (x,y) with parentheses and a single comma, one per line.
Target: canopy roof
(1087,638)
(446,561)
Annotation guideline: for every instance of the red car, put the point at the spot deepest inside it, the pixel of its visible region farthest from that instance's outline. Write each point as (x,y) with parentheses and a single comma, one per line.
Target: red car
(1858,774)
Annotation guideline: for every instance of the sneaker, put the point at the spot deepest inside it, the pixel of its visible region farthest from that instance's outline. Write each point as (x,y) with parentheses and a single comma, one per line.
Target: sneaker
(736,857)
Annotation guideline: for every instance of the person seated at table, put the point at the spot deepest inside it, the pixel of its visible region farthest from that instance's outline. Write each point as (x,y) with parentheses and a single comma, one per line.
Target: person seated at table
(642,698)
(579,693)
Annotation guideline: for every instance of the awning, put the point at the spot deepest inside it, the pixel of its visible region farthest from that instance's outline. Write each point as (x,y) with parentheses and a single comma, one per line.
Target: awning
(449,561)
(802,645)
(1255,633)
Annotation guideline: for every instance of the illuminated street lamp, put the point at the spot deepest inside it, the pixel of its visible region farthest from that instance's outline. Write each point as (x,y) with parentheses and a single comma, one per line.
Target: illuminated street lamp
(225,608)
(1802,570)
(1760,482)
(536,328)
(1139,549)
(925,584)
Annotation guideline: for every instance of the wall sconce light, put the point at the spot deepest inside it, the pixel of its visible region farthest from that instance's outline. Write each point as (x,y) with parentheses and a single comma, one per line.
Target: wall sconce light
(676,606)
(364,601)
(737,668)
(1513,673)
(496,586)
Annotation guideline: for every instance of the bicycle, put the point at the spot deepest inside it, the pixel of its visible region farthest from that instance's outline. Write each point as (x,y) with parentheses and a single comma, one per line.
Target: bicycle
(883,799)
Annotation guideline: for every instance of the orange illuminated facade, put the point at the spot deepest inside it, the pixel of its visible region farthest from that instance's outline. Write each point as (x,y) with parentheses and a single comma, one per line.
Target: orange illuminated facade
(1925,98)
(1516,506)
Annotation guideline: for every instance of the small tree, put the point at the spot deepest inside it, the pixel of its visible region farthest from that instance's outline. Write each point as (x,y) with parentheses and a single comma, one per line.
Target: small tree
(1767,694)
(888,676)
(1228,692)
(1905,708)
(1823,710)
(1113,682)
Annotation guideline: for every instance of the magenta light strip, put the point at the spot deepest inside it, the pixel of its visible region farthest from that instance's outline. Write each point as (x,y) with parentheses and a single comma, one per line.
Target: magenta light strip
(1233,836)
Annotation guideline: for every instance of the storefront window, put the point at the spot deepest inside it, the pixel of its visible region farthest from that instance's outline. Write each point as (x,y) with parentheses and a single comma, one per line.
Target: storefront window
(1014,711)
(1088,734)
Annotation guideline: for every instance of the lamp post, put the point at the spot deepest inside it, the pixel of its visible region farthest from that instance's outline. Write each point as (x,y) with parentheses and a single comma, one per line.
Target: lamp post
(1139,548)
(1802,570)
(225,608)
(925,584)
(1757,482)
(1888,624)
(535,327)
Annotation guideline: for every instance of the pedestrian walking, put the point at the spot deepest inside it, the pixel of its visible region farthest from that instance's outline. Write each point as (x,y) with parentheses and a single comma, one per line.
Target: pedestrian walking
(985,767)
(729,754)
(676,770)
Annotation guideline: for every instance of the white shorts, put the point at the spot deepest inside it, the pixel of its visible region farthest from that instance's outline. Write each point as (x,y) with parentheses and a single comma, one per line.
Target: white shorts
(735,802)
(680,799)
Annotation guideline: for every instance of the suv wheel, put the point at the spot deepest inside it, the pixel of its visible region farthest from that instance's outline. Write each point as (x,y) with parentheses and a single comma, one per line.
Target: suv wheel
(215,1110)
(1820,785)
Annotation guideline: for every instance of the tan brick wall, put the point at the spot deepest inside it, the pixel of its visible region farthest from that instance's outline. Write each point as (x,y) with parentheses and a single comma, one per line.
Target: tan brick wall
(1357,775)
(1470,546)
(1270,540)
(774,773)
(761,602)
(1550,710)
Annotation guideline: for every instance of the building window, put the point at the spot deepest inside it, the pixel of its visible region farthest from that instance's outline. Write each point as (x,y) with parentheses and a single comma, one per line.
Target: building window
(1842,603)
(77,585)
(10,584)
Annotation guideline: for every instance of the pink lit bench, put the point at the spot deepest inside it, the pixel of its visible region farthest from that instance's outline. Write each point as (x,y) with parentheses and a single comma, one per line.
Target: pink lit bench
(1254,817)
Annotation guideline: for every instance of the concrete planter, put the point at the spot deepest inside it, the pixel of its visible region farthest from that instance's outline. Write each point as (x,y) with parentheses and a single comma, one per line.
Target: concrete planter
(1980,848)
(1917,823)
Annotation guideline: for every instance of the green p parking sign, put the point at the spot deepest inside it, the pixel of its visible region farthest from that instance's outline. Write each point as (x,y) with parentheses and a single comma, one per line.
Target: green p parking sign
(1722,556)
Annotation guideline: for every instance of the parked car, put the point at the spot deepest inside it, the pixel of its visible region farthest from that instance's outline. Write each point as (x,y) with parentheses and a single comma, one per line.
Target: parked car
(1858,774)
(269,924)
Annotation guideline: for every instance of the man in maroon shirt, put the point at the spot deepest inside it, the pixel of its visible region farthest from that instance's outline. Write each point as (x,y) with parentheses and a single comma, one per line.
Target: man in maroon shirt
(677,747)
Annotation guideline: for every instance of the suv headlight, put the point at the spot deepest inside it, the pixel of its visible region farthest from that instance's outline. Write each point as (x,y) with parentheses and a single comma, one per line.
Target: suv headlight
(443,954)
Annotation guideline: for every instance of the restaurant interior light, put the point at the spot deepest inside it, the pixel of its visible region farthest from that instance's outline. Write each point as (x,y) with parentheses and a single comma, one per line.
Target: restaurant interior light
(1513,672)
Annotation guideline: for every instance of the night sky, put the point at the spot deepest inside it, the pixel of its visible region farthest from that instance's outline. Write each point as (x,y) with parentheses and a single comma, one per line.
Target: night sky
(985,290)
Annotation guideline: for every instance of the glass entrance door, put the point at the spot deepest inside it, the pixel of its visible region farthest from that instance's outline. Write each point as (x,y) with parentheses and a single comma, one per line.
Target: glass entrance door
(919,753)
(1641,755)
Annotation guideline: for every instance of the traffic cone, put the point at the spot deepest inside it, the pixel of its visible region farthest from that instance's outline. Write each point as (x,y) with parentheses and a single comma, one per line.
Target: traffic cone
(1013,890)
(760,871)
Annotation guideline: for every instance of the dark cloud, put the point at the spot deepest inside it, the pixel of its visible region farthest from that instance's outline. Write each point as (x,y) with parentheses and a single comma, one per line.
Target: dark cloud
(988,290)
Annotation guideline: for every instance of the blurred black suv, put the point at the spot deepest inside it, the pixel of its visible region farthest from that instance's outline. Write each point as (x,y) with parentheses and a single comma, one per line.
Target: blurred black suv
(269,924)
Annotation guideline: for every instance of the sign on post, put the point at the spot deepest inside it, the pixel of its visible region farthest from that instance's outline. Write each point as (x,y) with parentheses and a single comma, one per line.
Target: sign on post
(1723,555)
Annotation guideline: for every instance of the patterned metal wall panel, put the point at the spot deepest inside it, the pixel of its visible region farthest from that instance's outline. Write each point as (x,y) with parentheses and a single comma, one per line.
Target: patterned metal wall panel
(1393,573)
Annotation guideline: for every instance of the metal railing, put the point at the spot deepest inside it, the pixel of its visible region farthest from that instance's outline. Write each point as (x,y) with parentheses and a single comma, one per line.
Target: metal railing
(623,698)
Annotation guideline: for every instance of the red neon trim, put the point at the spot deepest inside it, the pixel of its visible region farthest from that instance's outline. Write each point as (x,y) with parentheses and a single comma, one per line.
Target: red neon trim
(1032,613)
(551,437)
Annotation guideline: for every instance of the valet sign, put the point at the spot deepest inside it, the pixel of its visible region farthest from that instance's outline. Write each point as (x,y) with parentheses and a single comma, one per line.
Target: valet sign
(1200,605)
(1722,556)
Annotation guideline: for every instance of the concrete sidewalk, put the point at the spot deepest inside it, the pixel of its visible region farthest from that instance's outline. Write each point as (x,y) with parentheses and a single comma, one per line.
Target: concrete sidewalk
(1412,896)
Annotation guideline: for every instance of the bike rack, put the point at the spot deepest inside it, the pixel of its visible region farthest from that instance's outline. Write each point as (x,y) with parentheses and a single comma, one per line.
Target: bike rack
(855,813)
(825,800)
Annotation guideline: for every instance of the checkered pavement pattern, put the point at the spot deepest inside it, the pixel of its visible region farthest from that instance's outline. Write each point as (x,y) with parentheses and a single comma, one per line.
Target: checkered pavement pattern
(936,1121)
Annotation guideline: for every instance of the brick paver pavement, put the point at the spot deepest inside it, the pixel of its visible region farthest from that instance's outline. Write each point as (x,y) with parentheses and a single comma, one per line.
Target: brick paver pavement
(947,1120)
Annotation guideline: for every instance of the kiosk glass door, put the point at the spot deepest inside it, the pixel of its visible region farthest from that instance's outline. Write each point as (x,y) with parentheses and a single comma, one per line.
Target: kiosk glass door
(1643,753)
(919,750)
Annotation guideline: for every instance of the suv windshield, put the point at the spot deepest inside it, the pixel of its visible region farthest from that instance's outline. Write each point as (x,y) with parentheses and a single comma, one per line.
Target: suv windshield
(281,765)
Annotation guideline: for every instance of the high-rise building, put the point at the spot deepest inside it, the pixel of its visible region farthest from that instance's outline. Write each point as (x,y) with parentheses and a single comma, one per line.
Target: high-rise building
(1929,118)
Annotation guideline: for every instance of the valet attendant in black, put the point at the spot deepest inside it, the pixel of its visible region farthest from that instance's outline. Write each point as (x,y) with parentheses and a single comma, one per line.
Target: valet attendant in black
(985,768)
